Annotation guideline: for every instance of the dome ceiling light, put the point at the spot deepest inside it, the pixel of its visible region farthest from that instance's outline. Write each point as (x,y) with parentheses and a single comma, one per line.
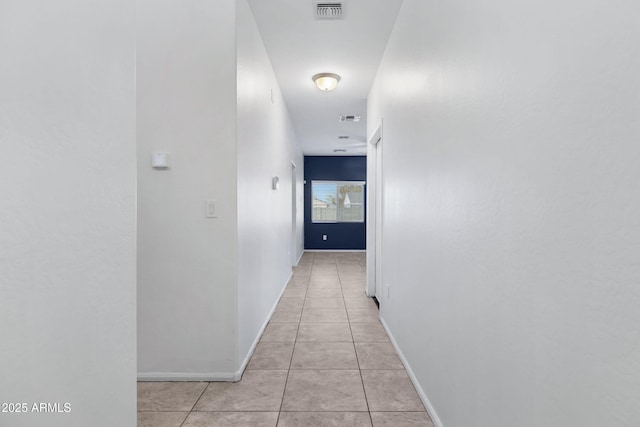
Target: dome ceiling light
(326,81)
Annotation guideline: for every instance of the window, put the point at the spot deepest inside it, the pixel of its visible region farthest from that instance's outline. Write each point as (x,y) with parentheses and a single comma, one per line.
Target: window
(337,201)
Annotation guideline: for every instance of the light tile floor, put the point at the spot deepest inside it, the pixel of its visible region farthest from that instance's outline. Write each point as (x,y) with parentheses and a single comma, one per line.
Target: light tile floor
(323,360)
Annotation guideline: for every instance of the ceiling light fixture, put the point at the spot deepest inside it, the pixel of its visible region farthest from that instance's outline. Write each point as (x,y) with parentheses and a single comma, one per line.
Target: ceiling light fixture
(326,81)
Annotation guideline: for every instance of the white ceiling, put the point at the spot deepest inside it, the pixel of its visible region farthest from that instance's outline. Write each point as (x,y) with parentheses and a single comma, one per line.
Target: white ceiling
(300,46)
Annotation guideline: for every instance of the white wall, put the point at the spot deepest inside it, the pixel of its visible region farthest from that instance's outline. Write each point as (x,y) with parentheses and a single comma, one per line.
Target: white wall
(67,217)
(512,208)
(186,263)
(207,286)
(266,146)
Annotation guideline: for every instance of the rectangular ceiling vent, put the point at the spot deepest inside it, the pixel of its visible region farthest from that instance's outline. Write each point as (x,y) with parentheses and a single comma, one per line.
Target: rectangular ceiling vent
(348,118)
(328,10)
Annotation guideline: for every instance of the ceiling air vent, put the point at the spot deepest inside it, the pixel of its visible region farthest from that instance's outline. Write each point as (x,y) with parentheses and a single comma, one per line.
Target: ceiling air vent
(328,9)
(349,118)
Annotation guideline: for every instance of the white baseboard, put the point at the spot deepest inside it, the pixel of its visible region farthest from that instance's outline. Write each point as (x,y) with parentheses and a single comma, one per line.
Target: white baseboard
(185,376)
(299,258)
(414,380)
(214,376)
(237,376)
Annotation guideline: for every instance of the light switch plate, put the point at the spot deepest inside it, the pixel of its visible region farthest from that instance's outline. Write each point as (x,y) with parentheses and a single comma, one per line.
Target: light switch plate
(211,210)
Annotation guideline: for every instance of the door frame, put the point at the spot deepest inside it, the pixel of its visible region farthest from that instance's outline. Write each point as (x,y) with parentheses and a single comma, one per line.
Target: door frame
(294,215)
(374,215)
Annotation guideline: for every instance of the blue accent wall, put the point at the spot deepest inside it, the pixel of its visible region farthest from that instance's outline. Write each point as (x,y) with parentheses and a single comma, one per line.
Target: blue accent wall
(342,236)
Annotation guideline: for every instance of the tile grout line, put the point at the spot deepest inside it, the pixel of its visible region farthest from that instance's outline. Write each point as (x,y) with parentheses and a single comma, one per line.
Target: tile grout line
(353,342)
(195,403)
(284,391)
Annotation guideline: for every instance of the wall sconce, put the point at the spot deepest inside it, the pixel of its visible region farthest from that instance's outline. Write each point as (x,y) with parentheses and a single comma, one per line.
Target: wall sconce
(326,81)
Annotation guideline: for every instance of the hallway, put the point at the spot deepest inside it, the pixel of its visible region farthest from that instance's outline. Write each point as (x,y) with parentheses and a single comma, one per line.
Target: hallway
(323,360)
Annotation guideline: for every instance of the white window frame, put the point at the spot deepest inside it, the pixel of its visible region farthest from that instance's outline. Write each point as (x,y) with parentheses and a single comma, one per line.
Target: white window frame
(338,184)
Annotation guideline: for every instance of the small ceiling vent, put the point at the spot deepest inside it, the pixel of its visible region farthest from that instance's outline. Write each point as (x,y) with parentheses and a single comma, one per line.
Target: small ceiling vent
(349,118)
(328,9)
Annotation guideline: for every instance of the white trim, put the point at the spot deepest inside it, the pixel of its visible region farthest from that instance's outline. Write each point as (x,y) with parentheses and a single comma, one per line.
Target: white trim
(377,135)
(299,258)
(186,376)
(412,377)
(373,192)
(237,376)
(294,213)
